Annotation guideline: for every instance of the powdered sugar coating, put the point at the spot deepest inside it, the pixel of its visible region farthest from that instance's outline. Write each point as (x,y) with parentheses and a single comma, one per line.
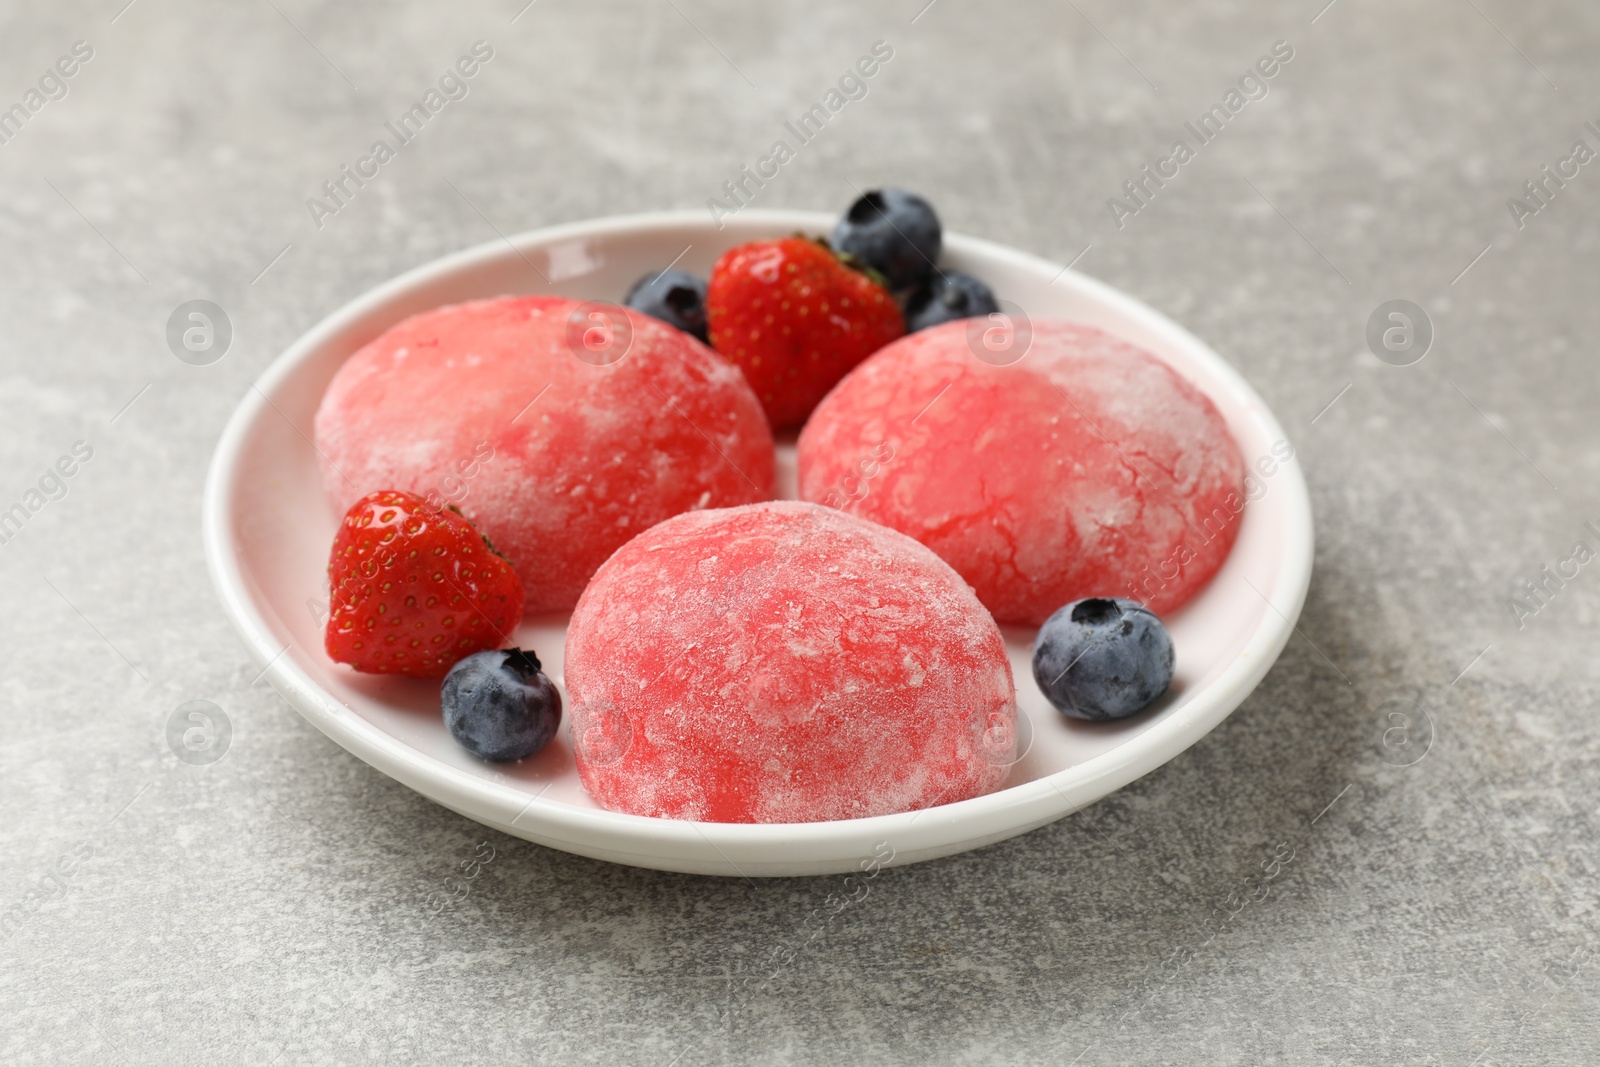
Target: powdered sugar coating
(784,662)
(559,461)
(1087,468)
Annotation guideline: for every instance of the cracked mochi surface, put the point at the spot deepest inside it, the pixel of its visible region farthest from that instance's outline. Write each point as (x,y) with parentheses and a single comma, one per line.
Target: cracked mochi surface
(1087,468)
(784,662)
(557,460)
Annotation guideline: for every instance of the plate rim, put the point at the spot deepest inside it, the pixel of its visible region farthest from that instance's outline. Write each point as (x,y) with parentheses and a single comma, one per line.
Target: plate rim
(1051,796)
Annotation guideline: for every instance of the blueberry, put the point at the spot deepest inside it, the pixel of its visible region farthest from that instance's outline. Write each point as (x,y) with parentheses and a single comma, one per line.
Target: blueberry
(499,704)
(894,232)
(948,295)
(676,297)
(1102,658)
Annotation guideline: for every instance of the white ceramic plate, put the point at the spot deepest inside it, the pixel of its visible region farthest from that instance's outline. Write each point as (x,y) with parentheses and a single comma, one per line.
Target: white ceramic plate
(268,527)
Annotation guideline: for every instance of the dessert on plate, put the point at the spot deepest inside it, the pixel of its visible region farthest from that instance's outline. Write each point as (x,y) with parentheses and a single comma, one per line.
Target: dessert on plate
(1086,468)
(784,662)
(498,407)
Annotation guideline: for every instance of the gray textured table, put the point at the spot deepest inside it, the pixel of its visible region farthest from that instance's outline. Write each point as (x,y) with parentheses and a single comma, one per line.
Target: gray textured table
(1425,747)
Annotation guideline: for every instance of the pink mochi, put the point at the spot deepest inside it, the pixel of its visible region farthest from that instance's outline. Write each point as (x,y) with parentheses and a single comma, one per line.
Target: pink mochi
(558,459)
(1086,468)
(784,662)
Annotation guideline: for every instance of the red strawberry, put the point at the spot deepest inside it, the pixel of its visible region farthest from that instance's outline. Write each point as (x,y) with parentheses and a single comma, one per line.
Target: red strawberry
(795,319)
(415,588)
